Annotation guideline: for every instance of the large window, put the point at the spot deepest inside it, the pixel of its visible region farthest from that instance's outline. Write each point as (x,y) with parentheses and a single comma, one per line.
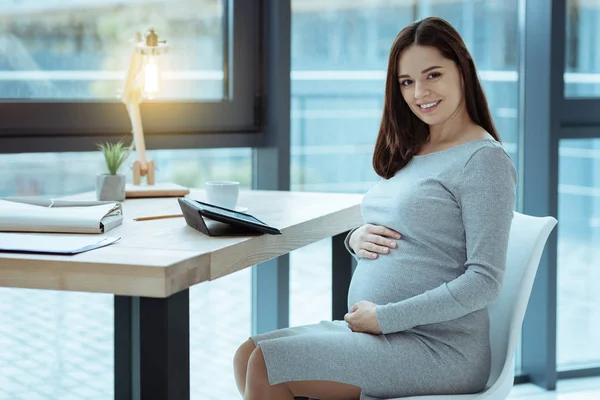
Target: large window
(60,50)
(578,316)
(339,60)
(582,63)
(63,64)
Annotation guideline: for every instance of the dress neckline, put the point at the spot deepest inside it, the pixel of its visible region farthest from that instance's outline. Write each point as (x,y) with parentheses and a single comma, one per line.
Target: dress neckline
(455,147)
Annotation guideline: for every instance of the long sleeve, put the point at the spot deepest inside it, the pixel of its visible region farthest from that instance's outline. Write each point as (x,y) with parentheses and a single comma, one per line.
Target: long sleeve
(486,197)
(347,244)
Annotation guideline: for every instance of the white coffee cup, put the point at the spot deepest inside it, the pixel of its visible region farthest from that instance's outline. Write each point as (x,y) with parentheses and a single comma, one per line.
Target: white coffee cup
(222,193)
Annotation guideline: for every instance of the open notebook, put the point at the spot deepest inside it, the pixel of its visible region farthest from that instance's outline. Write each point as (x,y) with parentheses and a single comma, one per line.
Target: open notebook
(28,214)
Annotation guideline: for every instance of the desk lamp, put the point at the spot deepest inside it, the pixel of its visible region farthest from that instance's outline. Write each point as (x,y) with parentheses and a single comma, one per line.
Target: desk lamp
(142,81)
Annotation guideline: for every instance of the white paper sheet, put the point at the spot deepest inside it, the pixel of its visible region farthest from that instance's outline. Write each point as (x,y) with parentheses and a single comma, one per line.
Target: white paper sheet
(52,243)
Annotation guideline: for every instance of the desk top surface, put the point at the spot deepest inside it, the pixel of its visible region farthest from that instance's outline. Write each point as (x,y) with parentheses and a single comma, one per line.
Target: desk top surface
(160,257)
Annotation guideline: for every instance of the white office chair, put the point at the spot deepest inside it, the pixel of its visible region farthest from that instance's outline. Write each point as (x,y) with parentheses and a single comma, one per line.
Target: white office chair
(526,242)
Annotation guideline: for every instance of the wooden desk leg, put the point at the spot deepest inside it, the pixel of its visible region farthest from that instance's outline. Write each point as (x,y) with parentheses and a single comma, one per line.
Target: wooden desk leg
(152,348)
(342,266)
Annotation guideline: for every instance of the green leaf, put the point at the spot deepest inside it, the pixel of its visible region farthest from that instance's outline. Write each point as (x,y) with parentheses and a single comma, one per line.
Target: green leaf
(114,154)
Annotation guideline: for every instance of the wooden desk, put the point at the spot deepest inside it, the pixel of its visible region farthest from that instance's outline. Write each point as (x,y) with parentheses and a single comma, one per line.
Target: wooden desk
(155,263)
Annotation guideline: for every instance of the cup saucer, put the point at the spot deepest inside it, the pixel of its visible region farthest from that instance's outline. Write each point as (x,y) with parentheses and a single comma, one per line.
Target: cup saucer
(241,209)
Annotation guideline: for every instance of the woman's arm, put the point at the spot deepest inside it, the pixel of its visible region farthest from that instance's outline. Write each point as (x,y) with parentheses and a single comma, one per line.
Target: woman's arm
(486,196)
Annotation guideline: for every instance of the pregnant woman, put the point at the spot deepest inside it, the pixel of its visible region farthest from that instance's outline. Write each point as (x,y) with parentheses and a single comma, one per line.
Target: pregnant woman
(417,320)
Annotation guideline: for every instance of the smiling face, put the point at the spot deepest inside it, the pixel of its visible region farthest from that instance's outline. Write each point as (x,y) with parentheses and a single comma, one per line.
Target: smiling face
(430,84)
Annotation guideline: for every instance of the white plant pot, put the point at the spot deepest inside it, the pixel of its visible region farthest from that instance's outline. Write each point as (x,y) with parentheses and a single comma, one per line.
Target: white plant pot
(110,187)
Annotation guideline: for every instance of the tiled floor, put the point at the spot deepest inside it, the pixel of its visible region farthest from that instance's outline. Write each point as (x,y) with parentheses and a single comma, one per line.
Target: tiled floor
(59,346)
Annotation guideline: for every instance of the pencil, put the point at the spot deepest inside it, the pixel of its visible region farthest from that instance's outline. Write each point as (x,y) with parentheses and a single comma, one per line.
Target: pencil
(158,217)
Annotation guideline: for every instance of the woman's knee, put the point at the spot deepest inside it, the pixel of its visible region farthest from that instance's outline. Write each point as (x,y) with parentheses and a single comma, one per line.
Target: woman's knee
(256,359)
(242,355)
(257,369)
(240,364)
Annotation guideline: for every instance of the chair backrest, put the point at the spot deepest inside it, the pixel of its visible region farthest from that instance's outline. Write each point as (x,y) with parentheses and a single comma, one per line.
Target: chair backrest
(526,243)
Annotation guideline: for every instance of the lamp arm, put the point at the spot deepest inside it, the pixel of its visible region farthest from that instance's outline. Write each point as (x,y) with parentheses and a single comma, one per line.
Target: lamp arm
(132,97)
(131,89)
(138,134)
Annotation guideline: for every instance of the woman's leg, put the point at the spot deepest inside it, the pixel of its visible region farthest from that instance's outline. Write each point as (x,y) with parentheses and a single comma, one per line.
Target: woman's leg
(257,385)
(240,364)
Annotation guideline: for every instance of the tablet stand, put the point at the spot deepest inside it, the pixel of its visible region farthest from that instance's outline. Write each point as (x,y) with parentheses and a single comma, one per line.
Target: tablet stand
(214,228)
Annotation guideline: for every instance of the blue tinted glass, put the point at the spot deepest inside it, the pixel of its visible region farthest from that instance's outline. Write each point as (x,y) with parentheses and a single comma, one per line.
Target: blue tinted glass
(80,50)
(582,59)
(578,317)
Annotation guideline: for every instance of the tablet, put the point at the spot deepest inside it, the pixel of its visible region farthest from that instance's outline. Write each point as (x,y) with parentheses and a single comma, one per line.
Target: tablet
(234,218)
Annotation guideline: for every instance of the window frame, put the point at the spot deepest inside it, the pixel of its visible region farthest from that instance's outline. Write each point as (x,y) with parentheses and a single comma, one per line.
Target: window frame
(76,126)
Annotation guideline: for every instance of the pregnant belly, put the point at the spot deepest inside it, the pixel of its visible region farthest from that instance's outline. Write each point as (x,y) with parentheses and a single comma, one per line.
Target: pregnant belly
(387,280)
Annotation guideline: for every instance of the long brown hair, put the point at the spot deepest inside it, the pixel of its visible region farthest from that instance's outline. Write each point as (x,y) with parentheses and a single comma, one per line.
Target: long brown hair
(402,133)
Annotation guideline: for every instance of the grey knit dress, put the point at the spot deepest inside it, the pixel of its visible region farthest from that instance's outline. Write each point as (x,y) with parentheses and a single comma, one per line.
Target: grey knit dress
(453,209)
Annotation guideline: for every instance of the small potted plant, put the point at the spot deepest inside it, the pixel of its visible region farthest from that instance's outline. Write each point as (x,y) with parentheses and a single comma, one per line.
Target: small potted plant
(111,186)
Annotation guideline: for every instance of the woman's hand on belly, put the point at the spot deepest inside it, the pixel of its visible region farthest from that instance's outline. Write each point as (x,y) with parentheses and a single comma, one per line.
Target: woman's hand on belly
(370,240)
(362,318)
